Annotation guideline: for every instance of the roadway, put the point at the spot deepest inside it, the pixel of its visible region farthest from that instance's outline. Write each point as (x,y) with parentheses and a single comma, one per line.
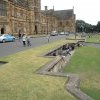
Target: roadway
(17,46)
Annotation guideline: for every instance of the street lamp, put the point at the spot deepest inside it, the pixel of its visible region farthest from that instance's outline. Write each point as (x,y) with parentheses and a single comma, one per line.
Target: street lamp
(47,23)
(46,13)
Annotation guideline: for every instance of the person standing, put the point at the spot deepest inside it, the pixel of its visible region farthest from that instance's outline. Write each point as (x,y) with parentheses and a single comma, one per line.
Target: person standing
(48,37)
(19,35)
(24,38)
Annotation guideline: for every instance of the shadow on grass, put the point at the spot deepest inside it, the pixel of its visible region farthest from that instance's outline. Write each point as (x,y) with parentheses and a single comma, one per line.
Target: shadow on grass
(2,63)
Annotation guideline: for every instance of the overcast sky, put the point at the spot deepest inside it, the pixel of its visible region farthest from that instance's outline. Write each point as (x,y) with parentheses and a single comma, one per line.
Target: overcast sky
(87,10)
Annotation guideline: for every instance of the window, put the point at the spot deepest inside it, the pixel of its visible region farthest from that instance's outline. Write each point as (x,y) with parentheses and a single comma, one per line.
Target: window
(15,27)
(3,8)
(15,12)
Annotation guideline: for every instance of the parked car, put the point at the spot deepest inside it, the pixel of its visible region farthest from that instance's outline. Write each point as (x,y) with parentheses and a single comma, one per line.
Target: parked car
(63,33)
(67,33)
(53,33)
(7,38)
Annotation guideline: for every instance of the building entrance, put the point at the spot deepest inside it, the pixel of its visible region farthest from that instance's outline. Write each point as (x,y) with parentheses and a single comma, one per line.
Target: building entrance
(2,30)
(36,31)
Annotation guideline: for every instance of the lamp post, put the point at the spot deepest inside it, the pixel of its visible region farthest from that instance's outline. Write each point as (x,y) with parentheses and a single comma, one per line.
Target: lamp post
(46,14)
(75,31)
(47,22)
(47,25)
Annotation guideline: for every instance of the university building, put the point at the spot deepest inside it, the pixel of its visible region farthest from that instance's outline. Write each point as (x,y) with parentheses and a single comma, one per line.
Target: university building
(57,20)
(26,16)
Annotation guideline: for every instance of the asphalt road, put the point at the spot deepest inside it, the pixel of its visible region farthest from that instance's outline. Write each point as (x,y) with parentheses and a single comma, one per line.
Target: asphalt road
(17,46)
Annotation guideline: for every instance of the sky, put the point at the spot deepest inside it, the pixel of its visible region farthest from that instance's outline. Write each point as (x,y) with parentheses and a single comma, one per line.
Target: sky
(87,10)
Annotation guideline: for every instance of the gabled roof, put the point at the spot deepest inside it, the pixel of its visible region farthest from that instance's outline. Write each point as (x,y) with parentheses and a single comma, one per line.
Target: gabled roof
(64,14)
(60,14)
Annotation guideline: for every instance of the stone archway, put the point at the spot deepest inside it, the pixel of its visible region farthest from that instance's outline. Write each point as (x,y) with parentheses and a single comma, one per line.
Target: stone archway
(2,30)
(36,30)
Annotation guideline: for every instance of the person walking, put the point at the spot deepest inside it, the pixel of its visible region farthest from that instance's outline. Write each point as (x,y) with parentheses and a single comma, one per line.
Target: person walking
(24,38)
(28,41)
(48,37)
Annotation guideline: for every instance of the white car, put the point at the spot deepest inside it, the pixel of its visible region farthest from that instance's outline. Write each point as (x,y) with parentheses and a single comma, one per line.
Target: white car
(62,33)
(53,33)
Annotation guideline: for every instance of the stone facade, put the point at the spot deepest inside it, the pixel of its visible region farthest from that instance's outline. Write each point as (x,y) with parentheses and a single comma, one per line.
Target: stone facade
(19,16)
(25,16)
(60,20)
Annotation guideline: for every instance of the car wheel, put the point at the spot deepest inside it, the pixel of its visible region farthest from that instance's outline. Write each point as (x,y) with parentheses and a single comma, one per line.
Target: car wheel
(3,41)
(13,40)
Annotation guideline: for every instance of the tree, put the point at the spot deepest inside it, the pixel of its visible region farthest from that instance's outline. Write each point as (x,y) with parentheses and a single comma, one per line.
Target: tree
(82,26)
(98,27)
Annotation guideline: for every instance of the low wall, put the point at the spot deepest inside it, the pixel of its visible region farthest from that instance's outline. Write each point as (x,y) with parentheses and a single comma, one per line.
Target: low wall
(55,68)
(58,65)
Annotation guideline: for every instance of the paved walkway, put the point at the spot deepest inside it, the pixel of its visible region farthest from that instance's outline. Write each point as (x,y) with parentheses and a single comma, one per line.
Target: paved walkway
(96,45)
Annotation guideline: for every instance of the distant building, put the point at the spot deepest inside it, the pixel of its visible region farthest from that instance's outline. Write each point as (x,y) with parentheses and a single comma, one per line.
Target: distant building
(59,20)
(25,16)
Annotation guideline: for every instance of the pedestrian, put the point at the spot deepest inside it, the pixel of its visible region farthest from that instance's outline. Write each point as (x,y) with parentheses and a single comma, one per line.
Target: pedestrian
(48,37)
(28,41)
(19,35)
(24,38)
(68,51)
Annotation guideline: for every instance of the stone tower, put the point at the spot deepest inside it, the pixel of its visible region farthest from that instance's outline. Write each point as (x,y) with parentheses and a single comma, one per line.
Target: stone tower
(35,9)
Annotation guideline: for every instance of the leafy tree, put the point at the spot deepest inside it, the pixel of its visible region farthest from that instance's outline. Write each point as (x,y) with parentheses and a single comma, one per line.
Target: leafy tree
(98,27)
(82,26)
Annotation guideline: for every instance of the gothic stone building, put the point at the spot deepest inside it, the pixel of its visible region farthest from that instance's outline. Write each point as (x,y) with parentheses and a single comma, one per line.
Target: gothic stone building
(59,20)
(19,16)
(25,16)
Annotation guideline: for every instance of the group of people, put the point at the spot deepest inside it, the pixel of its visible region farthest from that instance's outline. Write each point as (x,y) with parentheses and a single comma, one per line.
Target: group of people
(25,39)
(67,48)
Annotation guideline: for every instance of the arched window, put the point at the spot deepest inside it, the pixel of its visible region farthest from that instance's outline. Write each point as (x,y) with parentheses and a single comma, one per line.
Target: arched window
(3,8)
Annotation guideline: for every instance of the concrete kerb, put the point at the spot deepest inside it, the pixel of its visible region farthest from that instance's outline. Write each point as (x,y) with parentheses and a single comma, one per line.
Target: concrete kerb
(92,42)
(72,85)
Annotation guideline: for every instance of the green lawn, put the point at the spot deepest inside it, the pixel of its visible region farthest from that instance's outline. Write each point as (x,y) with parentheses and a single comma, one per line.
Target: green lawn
(18,80)
(86,63)
(93,38)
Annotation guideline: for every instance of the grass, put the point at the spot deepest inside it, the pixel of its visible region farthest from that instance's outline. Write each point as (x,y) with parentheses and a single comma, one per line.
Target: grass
(86,63)
(94,38)
(18,80)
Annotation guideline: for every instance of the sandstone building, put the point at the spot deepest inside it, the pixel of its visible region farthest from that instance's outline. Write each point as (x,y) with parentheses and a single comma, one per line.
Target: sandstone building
(59,20)
(25,16)
(19,16)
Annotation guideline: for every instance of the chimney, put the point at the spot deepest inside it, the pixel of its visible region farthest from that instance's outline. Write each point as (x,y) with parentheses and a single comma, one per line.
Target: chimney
(53,8)
(46,8)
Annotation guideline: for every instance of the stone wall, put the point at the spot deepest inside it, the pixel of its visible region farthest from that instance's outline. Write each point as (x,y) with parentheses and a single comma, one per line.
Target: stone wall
(55,68)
